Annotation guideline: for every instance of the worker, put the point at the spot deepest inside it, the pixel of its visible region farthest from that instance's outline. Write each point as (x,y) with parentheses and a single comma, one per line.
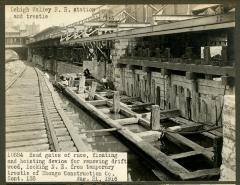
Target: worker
(86,73)
(64,81)
(105,82)
(45,74)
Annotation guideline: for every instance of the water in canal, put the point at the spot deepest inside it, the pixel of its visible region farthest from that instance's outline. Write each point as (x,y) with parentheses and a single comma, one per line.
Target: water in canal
(106,142)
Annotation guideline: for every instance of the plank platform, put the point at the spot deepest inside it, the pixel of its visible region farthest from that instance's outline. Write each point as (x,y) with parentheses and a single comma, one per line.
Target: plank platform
(34,118)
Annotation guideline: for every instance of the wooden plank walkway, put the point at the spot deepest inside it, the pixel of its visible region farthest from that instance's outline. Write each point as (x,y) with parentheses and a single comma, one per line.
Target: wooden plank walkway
(34,118)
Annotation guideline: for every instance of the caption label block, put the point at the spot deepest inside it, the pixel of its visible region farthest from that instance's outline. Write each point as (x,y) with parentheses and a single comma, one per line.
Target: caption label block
(66,166)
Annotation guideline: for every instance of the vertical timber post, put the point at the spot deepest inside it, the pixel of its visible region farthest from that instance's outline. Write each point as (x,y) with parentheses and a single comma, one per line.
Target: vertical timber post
(81,86)
(148,84)
(217,146)
(194,98)
(207,55)
(173,90)
(224,56)
(116,102)
(71,81)
(92,91)
(155,118)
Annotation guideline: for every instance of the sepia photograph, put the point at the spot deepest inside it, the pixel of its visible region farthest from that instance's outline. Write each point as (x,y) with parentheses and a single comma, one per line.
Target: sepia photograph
(120,93)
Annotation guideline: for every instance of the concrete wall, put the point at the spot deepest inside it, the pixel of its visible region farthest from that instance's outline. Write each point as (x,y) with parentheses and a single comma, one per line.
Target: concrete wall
(96,68)
(228,168)
(63,67)
(56,66)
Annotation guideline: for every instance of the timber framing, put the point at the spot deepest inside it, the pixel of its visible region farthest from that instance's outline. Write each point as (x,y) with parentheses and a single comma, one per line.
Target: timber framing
(194,68)
(197,24)
(157,157)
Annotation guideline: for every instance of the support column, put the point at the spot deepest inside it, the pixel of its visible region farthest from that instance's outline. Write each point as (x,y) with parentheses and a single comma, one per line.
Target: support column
(195,101)
(92,91)
(116,102)
(71,81)
(207,55)
(194,98)
(81,84)
(173,95)
(167,81)
(148,88)
(224,56)
(155,118)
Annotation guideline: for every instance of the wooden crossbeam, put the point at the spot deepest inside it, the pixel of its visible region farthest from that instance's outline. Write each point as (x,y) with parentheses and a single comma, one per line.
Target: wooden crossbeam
(127,121)
(171,113)
(127,99)
(200,174)
(173,17)
(198,24)
(204,69)
(143,105)
(100,130)
(184,154)
(98,102)
(183,141)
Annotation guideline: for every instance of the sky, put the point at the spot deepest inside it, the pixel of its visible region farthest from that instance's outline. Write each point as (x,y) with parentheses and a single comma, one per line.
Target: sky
(47,15)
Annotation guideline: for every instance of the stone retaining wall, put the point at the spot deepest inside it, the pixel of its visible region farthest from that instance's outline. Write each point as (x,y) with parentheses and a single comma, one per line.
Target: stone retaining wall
(228,168)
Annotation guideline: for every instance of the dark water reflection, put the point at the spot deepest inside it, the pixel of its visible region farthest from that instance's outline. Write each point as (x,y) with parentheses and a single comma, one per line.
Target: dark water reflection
(106,142)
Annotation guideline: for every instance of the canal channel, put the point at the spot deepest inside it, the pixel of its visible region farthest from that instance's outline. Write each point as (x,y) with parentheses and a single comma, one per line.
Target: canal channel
(138,170)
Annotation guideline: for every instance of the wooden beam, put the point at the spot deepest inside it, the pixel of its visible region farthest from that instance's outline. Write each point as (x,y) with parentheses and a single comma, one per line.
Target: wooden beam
(120,65)
(116,102)
(134,25)
(143,105)
(146,69)
(227,80)
(131,67)
(127,121)
(207,55)
(129,99)
(155,118)
(174,17)
(181,141)
(185,128)
(105,110)
(100,130)
(201,174)
(198,24)
(81,86)
(98,102)
(165,72)
(208,77)
(93,90)
(149,136)
(203,69)
(184,154)
(190,75)
(171,113)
